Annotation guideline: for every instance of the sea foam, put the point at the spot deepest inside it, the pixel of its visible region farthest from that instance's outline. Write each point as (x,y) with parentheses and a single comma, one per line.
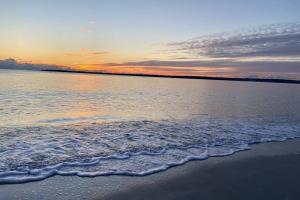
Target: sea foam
(134,148)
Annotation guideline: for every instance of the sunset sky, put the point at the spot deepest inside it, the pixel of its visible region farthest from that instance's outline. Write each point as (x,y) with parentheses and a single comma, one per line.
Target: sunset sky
(258,38)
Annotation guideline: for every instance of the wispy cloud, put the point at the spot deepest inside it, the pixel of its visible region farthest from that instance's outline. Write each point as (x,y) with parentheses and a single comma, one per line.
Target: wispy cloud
(172,63)
(88,27)
(86,52)
(269,40)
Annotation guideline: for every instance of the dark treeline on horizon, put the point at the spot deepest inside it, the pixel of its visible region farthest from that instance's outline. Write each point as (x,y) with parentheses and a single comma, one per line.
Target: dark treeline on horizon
(271,80)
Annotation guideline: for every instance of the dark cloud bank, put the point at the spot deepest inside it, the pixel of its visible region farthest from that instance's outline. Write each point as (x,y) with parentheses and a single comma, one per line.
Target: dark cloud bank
(13,64)
(271,40)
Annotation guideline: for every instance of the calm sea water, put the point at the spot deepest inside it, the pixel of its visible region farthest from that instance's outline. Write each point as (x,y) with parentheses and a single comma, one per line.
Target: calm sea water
(91,125)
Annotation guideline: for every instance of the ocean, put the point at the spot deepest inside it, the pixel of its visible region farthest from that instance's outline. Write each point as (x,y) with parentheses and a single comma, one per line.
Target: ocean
(97,125)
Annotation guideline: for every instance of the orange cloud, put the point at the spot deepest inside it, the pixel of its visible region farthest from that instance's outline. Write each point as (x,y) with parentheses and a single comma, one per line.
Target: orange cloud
(86,52)
(160,70)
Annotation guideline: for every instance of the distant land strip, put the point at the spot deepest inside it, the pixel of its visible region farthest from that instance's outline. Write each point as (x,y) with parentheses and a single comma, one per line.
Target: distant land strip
(271,80)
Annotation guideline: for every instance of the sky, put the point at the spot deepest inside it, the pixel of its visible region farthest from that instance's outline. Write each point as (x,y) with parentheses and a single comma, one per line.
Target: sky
(233,38)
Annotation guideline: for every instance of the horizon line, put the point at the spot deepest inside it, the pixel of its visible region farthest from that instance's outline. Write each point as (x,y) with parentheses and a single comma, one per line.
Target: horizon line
(268,80)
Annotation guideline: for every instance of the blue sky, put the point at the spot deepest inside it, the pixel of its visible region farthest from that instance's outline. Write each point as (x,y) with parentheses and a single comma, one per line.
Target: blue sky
(50,32)
(148,19)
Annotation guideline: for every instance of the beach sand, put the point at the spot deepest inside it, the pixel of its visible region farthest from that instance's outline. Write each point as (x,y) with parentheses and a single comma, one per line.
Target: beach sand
(267,171)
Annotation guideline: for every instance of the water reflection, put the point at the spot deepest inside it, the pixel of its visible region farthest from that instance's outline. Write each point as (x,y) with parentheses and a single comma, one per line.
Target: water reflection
(31,97)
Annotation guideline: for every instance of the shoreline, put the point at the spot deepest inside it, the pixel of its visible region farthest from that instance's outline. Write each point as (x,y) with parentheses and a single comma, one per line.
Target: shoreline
(264,80)
(251,173)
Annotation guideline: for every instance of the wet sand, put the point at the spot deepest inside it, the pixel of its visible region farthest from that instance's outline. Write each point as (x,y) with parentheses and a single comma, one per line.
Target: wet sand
(267,171)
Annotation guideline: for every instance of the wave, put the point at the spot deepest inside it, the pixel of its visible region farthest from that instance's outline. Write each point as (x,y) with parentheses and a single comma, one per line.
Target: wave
(133,148)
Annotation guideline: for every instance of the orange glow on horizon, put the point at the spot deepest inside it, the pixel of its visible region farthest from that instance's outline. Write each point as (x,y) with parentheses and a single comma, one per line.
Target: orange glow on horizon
(158,70)
(148,70)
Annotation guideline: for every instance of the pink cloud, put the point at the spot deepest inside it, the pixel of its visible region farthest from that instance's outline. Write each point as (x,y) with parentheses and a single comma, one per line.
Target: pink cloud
(88,28)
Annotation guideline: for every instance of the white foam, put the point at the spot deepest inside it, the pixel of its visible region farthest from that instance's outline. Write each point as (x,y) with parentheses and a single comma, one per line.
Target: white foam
(134,148)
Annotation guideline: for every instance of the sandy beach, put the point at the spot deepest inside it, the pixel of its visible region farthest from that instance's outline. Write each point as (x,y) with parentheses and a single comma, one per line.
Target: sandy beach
(267,171)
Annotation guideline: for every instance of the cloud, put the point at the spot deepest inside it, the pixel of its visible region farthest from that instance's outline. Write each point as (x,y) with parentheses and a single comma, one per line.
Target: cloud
(270,50)
(88,28)
(14,64)
(242,65)
(172,63)
(268,40)
(86,52)
(226,68)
